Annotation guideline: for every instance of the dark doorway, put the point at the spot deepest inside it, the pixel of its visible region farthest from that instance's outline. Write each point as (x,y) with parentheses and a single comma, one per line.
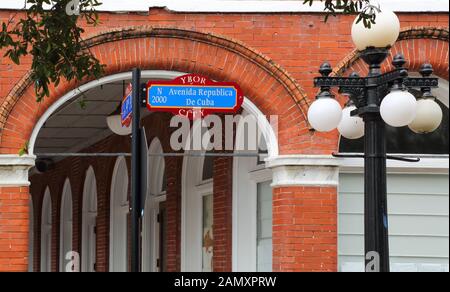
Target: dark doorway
(162,221)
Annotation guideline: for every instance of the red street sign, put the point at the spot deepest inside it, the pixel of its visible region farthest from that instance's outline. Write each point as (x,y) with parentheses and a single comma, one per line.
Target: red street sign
(194,96)
(127,107)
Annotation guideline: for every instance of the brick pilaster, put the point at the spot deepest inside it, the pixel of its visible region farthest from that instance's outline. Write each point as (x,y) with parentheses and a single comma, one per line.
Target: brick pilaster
(305,229)
(223,193)
(14,221)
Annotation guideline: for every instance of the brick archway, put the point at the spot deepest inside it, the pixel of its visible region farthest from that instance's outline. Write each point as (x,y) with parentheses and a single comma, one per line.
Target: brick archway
(269,86)
(419,45)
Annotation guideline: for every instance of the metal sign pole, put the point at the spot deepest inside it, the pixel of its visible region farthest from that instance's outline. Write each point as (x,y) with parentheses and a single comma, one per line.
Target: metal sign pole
(136,173)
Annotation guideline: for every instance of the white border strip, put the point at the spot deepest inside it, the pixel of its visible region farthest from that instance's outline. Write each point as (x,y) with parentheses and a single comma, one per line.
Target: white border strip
(244,6)
(427,165)
(319,170)
(438,164)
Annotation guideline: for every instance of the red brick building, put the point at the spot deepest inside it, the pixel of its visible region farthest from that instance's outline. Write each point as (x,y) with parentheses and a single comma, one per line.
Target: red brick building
(291,213)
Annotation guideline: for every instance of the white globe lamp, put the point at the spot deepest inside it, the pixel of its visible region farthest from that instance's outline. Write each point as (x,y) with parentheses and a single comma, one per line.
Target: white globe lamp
(428,117)
(398,108)
(383,33)
(325,114)
(351,127)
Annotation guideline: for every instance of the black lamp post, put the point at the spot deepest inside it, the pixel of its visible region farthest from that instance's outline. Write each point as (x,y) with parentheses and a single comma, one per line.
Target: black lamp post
(376,100)
(136,174)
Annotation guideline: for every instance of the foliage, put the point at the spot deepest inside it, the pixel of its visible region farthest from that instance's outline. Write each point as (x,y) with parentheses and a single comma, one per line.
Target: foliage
(47,32)
(363,8)
(24,149)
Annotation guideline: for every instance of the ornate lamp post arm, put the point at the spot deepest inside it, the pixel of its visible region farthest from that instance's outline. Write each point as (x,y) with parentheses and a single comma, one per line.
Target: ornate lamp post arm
(367,94)
(376,100)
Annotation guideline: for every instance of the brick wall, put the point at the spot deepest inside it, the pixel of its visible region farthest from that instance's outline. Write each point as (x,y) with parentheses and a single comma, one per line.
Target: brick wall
(173,205)
(14,221)
(283,37)
(274,58)
(222,227)
(305,229)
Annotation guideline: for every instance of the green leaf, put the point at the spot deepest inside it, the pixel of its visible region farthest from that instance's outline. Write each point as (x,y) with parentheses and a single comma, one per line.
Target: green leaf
(365,10)
(53,39)
(24,150)
(82,103)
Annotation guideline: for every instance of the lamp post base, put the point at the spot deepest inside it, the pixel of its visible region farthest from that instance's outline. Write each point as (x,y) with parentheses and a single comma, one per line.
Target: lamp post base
(375,199)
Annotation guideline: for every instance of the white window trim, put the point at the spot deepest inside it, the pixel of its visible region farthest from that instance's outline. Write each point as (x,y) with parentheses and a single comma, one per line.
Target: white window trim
(66,223)
(46,232)
(88,218)
(206,189)
(124,209)
(244,6)
(193,190)
(156,168)
(247,174)
(151,233)
(245,204)
(155,196)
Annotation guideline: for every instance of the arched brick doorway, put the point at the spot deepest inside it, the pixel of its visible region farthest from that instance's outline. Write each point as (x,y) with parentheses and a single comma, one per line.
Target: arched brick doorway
(266,84)
(418,44)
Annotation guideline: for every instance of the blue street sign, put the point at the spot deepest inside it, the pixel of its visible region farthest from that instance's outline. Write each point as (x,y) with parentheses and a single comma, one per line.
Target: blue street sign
(127,107)
(211,97)
(188,93)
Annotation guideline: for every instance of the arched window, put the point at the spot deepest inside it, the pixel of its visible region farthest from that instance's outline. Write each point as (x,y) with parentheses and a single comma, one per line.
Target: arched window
(118,255)
(154,241)
(197,214)
(46,233)
(252,201)
(404,141)
(252,208)
(66,227)
(89,236)
(156,169)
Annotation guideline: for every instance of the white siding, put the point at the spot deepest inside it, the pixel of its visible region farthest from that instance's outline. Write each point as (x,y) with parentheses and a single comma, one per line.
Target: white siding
(418,218)
(265,217)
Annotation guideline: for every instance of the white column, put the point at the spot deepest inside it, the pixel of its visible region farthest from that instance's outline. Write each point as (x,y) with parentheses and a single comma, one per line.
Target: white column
(14,170)
(304,170)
